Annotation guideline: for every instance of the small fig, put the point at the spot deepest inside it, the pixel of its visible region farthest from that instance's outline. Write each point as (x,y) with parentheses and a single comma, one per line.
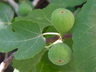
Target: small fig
(63,20)
(60,54)
(24,9)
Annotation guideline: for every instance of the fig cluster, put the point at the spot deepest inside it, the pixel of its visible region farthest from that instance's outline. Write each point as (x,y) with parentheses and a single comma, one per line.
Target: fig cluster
(63,21)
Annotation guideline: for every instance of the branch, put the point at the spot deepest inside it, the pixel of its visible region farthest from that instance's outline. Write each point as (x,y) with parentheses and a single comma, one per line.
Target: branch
(13,4)
(6,55)
(40,3)
(52,39)
(6,62)
(35,2)
(66,36)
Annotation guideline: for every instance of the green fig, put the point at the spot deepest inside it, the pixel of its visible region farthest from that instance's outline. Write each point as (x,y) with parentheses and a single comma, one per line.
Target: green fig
(24,9)
(63,20)
(60,54)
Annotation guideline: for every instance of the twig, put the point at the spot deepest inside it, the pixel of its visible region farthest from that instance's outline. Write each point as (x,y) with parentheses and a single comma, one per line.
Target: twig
(13,4)
(6,62)
(40,3)
(66,36)
(52,39)
(35,2)
(6,55)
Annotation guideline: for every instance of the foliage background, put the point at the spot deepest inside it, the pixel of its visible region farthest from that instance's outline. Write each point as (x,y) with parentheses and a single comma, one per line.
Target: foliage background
(22,32)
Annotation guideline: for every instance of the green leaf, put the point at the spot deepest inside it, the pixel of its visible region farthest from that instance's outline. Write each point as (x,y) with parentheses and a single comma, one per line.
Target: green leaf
(27,38)
(41,16)
(38,17)
(6,15)
(27,65)
(45,67)
(84,38)
(69,3)
(77,11)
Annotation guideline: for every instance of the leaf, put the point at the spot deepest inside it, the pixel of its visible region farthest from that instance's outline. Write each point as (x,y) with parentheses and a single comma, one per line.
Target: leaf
(77,11)
(69,3)
(6,15)
(27,38)
(41,16)
(44,67)
(38,17)
(28,64)
(84,38)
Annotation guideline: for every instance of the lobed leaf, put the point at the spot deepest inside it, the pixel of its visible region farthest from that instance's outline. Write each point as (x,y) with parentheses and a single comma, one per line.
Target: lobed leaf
(69,3)
(28,65)
(27,38)
(84,38)
(6,15)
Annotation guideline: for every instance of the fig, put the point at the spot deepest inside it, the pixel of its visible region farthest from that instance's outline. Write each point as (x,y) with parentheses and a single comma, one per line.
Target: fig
(62,20)
(60,54)
(24,9)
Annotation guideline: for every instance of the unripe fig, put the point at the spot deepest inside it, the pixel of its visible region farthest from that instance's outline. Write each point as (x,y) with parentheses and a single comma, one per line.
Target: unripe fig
(24,9)
(62,20)
(60,54)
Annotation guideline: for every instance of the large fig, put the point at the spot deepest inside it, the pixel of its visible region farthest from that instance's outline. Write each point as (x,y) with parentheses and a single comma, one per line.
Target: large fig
(59,54)
(24,9)
(62,20)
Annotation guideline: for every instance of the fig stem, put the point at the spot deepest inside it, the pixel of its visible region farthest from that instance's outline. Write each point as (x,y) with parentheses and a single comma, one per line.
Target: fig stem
(51,33)
(57,41)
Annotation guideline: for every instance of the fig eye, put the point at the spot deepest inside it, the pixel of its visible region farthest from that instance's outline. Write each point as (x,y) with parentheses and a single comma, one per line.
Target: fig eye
(59,60)
(61,12)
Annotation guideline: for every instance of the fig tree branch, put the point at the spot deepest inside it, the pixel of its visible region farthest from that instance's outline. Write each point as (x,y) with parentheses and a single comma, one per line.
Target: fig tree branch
(35,2)
(6,55)
(40,3)
(52,39)
(6,62)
